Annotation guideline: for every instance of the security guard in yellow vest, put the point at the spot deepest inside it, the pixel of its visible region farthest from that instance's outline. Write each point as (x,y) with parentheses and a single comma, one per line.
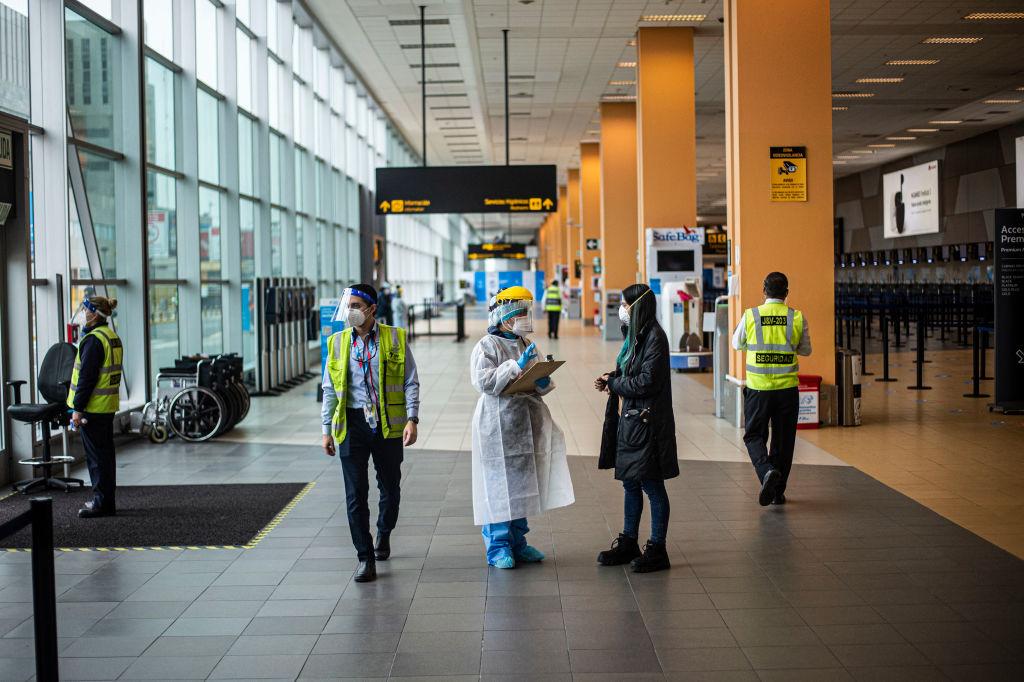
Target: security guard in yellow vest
(553,307)
(371,409)
(94,398)
(773,335)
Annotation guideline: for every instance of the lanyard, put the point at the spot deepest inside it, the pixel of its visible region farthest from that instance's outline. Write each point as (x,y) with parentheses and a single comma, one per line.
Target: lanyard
(366,364)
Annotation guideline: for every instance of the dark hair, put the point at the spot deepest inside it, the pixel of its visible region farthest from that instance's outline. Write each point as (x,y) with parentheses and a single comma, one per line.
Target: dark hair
(776,285)
(366,289)
(642,309)
(554,282)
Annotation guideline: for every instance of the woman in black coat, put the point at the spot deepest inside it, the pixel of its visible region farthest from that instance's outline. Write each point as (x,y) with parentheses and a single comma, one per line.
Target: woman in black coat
(639,439)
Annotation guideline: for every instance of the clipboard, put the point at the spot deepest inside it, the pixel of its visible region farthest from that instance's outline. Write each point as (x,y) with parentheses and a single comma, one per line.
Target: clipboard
(538,370)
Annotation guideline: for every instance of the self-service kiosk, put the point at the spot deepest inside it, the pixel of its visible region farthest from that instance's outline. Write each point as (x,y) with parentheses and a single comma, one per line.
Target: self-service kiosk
(675,273)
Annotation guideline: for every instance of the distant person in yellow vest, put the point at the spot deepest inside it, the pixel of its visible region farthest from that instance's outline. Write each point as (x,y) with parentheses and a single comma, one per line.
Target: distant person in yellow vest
(94,398)
(370,409)
(773,335)
(553,307)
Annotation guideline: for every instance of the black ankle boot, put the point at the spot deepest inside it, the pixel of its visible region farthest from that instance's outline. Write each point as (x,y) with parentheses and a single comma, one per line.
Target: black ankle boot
(366,571)
(623,550)
(383,549)
(655,558)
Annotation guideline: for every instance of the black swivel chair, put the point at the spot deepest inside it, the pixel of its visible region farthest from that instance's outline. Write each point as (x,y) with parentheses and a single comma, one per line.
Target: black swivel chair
(53,380)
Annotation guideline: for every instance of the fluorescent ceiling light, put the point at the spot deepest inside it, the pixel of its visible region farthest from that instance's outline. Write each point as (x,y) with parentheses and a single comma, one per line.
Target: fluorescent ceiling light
(627,65)
(863,151)
(889,79)
(621,82)
(1002,101)
(952,40)
(840,108)
(847,156)
(593,132)
(885,145)
(838,163)
(922,130)
(901,137)
(618,98)
(911,62)
(673,17)
(997,16)
(951,122)
(852,95)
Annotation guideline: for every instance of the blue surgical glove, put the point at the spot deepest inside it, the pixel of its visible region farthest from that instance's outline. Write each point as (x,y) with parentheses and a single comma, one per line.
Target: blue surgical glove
(543,382)
(529,354)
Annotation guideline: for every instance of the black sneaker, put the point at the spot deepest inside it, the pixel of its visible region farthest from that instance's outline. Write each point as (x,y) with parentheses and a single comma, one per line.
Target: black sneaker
(623,550)
(771,481)
(780,498)
(655,558)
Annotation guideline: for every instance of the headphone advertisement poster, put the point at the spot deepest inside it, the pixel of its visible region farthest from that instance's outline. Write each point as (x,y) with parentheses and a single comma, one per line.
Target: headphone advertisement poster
(911,201)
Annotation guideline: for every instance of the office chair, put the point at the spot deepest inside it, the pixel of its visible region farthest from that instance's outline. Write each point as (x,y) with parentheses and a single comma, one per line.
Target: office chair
(53,381)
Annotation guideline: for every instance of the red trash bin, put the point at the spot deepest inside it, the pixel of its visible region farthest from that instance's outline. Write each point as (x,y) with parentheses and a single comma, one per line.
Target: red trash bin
(810,388)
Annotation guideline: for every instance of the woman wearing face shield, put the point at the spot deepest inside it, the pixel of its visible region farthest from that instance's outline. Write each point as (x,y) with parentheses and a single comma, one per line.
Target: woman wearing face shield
(519,462)
(639,440)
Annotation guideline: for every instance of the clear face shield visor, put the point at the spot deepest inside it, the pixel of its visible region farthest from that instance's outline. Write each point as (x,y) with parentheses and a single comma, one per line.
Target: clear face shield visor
(355,307)
(516,317)
(81,316)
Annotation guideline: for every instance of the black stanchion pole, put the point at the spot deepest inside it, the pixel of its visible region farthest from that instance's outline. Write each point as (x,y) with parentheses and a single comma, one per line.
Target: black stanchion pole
(976,378)
(849,331)
(44,593)
(460,323)
(885,347)
(896,328)
(922,333)
(864,347)
(983,373)
(919,386)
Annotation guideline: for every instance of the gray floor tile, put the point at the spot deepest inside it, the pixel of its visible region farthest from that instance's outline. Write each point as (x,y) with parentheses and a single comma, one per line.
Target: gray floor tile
(92,668)
(272,645)
(200,627)
(703,659)
(361,643)
(107,647)
(438,663)
(258,667)
(612,661)
(783,657)
(546,662)
(187,647)
(171,668)
(690,638)
(425,642)
(286,625)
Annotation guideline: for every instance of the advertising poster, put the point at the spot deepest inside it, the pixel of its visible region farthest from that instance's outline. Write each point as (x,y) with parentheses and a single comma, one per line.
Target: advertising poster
(1009,302)
(788,178)
(911,201)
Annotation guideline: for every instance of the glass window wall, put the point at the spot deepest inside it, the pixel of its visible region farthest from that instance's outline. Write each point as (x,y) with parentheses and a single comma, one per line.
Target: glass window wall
(208,136)
(207,42)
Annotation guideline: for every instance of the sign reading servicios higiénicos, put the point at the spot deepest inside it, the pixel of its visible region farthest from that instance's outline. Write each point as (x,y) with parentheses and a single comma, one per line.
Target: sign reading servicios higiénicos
(1009,302)
(788,178)
(467,189)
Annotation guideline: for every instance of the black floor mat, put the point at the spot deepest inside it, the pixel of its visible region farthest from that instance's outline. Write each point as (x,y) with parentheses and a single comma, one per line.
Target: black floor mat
(160,515)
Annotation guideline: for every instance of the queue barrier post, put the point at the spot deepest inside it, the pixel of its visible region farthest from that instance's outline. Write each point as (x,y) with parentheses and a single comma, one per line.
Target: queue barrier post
(885,348)
(983,352)
(864,347)
(976,375)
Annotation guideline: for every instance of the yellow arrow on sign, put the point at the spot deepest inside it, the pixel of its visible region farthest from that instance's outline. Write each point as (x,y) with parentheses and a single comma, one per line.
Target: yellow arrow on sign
(385,206)
(548,204)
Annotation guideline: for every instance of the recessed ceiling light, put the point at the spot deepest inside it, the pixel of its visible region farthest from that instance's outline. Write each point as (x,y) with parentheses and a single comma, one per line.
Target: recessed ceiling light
(621,82)
(885,145)
(922,130)
(911,62)
(673,17)
(847,156)
(901,138)
(952,40)
(891,79)
(863,151)
(852,95)
(838,163)
(618,98)
(1002,101)
(627,65)
(631,42)
(951,122)
(998,16)
(1020,89)
(593,132)
(840,108)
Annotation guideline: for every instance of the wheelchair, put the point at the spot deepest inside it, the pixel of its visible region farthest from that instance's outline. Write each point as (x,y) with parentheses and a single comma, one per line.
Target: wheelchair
(197,399)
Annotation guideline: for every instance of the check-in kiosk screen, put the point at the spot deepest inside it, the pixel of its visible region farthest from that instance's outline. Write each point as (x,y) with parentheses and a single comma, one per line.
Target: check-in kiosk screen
(680,260)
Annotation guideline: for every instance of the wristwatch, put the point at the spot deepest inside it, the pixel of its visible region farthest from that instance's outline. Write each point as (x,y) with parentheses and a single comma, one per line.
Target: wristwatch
(415,420)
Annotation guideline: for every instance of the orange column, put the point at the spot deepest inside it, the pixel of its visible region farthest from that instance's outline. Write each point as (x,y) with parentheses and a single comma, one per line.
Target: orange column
(666,125)
(619,242)
(781,97)
(590,217)
(572,223)
(561,228)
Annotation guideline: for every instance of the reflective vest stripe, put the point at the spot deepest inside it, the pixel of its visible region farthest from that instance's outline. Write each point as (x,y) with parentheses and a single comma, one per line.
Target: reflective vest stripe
(761,369)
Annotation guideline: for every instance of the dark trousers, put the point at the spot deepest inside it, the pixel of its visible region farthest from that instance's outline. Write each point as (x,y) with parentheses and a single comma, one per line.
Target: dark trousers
(778,409)
(360,444)
(634,509)
(98,441)
(553,317)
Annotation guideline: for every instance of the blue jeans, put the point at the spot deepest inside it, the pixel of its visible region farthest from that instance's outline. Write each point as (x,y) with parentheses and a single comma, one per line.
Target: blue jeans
(634,508)
(505,537)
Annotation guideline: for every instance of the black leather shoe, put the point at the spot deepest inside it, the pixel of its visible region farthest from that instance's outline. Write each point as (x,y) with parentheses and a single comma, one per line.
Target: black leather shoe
(768,485)
(366,572)
(780,498)
(382,550)
(92,512)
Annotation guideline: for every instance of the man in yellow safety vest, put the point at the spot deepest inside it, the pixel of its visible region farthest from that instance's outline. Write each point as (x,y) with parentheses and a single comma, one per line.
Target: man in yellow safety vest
(94,398)
(553,307)
(773,335)
(371,409)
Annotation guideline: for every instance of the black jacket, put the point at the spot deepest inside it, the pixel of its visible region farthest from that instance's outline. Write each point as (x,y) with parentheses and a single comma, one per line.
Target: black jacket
(641,443)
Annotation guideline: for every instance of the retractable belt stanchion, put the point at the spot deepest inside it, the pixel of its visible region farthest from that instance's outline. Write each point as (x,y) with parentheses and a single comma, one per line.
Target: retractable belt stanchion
(983,352)
(976,375)
(919,386)
(864,347)
(885,345)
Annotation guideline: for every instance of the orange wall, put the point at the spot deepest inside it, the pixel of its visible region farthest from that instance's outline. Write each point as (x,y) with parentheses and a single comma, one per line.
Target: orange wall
(590,217)
(778,93)
(572,227)
(618,195)
(666,130)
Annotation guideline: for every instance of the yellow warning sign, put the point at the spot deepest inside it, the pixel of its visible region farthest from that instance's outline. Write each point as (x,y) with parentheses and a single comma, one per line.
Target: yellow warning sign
(788,180)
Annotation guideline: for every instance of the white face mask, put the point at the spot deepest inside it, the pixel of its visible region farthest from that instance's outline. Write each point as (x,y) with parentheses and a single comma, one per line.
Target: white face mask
(522,326)
(624,315)
(355,317)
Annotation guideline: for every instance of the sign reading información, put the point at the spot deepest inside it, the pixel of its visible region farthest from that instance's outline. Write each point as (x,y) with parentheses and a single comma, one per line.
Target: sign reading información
(467,189)
(497,250)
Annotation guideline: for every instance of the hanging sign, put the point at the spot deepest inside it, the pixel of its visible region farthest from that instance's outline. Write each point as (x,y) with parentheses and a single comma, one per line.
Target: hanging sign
(593,245)
(467,189)
(6,151)
(788,173)
(1009,301)
(715,241)
(497,250)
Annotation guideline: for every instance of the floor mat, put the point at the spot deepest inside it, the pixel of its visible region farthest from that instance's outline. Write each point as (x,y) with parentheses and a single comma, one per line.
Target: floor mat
(161,515)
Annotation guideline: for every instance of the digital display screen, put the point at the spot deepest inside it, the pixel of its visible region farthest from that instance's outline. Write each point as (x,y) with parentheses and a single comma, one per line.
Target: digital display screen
(675,260)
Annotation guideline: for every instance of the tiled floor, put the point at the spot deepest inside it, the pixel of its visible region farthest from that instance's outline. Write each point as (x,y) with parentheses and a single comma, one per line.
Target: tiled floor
(851,580)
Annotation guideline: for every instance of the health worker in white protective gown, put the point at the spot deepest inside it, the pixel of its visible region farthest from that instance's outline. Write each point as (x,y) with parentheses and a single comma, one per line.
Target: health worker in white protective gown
(519,463)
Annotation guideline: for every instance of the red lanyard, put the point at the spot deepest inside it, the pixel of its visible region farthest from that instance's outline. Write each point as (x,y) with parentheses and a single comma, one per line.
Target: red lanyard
(366,364)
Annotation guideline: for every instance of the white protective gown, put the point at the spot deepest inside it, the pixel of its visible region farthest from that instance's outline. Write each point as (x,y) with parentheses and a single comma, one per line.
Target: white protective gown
(519,463)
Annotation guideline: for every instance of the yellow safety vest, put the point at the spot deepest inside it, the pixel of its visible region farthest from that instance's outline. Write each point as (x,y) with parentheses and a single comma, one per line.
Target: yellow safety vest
(553,300)
(106,396)
(391,379)
(774,331)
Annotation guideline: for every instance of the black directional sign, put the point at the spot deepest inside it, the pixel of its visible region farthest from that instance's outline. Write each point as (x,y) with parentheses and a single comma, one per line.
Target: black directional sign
(467,189)
(593,244)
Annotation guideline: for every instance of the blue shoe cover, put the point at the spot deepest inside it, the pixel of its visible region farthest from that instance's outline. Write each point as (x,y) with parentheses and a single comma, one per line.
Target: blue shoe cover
(504,561)
(530,555)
